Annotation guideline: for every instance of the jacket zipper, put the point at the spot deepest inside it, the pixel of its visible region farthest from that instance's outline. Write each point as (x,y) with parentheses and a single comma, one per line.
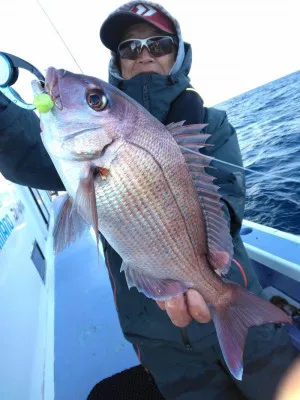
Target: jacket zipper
(185,339)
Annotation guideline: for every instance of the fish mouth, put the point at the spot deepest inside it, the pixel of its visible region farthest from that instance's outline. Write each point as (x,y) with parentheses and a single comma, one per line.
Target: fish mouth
(53,77)
(50,86)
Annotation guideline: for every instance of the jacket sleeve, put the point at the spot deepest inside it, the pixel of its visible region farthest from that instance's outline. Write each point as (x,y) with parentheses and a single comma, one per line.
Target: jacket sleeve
(230,179)
(23,157)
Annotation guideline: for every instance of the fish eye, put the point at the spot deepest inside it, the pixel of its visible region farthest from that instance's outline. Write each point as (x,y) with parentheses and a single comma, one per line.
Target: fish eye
(96,99)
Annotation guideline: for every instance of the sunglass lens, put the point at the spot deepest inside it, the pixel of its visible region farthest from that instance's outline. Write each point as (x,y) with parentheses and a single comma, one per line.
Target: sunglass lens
(130,49)
(160,46)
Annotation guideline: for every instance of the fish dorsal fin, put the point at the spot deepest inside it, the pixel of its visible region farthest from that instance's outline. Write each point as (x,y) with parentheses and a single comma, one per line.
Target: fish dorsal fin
(178,129)
(189,137)
(219,241)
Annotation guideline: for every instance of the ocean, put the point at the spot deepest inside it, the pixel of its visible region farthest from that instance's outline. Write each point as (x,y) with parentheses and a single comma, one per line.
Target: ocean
(267,120)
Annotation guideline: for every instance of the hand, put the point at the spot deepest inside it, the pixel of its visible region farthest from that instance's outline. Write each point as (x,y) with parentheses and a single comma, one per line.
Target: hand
(182,309)
(289,386)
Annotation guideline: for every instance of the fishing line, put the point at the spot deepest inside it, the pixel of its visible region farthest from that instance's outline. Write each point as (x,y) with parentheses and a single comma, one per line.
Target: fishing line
(57,32)
(238,166)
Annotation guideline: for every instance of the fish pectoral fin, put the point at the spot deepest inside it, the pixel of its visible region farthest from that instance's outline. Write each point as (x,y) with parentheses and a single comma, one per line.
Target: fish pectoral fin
(154,288)
(233,320)
(85,199)
(68,226)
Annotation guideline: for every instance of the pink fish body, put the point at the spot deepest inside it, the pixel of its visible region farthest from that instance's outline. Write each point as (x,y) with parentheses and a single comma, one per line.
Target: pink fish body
(127,176)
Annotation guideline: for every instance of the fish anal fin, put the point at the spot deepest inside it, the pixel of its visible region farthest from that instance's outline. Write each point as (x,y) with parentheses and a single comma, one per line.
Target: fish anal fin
(68,226)
(233,320)
(154,288)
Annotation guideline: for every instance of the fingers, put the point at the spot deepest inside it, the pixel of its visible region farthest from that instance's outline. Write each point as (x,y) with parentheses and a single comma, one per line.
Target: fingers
(289,387)
(197,307)
(161,304)
(176,309)
(182,309)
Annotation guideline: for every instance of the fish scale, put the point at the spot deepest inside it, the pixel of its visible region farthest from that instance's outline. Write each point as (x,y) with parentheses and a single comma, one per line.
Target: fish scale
(147,215)
(160,143)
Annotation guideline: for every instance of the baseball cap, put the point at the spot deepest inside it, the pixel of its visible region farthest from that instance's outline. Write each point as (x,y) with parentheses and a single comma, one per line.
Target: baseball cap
(114,27)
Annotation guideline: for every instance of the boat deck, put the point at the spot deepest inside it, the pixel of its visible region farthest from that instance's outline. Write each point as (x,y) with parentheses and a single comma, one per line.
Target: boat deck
(89,345)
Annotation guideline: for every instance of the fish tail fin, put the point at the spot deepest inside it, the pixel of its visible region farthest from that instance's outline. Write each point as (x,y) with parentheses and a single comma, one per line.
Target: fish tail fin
(233,319)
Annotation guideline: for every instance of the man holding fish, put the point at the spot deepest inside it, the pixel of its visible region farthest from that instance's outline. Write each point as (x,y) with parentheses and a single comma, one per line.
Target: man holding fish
(171,228)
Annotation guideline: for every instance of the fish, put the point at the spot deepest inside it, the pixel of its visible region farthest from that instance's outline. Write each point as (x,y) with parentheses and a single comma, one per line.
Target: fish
(140,184)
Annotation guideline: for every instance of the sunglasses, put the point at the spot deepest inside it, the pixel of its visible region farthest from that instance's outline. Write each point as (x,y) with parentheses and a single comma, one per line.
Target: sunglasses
(156,45)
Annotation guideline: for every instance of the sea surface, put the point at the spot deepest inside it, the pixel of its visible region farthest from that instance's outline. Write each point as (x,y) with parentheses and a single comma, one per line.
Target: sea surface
(267,120)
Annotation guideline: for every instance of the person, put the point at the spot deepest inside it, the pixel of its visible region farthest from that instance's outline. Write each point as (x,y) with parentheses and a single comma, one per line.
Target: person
(176,339)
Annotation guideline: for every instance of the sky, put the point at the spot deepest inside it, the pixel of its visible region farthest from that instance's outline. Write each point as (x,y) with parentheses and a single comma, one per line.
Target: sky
(237,44)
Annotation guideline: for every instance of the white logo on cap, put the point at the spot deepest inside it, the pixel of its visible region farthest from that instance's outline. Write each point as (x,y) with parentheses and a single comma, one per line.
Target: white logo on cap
(144,11)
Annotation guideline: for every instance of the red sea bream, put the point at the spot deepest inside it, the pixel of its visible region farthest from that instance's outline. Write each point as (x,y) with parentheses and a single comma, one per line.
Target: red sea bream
(126,175)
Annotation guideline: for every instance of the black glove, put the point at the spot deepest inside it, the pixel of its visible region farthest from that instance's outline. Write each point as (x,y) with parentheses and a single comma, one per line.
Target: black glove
(4,102)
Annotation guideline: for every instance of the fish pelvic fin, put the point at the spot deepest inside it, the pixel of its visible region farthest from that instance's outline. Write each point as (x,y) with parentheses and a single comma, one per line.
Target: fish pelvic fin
(233,320)
(68,226)
(85,200)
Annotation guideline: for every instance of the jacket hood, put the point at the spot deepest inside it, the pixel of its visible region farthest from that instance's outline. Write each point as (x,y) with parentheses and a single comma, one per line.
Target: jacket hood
(113,66)
(153,91)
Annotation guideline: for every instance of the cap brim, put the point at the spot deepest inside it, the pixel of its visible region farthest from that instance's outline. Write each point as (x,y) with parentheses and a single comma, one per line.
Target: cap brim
(113,28)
